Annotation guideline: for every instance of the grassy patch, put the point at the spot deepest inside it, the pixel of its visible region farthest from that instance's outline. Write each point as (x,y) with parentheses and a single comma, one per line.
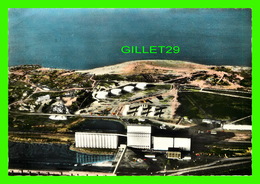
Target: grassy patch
(201,105)
(31,123)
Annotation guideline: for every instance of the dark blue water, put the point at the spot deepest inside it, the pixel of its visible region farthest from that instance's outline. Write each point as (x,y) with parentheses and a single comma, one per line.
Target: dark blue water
(59,156)
(98,125)
(53,157)
(89,38)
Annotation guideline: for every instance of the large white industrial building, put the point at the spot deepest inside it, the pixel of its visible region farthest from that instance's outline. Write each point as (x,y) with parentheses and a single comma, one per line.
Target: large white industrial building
(139,129)
(164,143)
(139,136)
(96,140)
(182,143)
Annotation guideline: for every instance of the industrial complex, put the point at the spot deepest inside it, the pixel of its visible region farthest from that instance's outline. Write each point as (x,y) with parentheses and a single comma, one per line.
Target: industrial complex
(139,137)
(157,121)
(96,140)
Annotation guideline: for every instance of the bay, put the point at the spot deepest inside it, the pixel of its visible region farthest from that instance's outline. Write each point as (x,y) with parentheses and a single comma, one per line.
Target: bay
(90,38)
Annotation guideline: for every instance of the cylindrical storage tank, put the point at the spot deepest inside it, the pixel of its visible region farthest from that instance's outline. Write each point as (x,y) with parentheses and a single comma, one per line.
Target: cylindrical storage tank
(141,85)
(102,94)
(129,89)
(116,92)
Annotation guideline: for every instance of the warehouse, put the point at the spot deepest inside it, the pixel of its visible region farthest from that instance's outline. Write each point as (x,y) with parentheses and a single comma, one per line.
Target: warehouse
(182,143)
(162,143)
(139,136)
(96,140)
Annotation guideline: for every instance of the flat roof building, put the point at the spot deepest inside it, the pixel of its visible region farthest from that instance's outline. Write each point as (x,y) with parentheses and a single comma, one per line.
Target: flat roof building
(182,143)
(125,110)
(162,143)
(173,154)
(139,129)
(96,140)
(139,136)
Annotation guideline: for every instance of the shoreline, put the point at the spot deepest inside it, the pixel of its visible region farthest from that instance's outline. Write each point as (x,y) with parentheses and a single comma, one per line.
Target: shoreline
(72,147)
(119,68)
(172,65)
(93,151)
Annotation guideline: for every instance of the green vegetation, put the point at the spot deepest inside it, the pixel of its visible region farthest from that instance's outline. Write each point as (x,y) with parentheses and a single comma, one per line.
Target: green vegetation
(131,78)
(166,100)
(109,77)
(125,96)
(167,87)
(17,89)
(24,67)
(222,68)
(223,83)
(55,80)
(246,121)
(24,80)
(52,95)
(157,88)
(247,81)
(228,92)
(166,77)
(245,73)
(228,150)
(106,84)
(27,123)
(39,139)
(150,91)
(202,105)
(140,78)
(84,99)
(135,78)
